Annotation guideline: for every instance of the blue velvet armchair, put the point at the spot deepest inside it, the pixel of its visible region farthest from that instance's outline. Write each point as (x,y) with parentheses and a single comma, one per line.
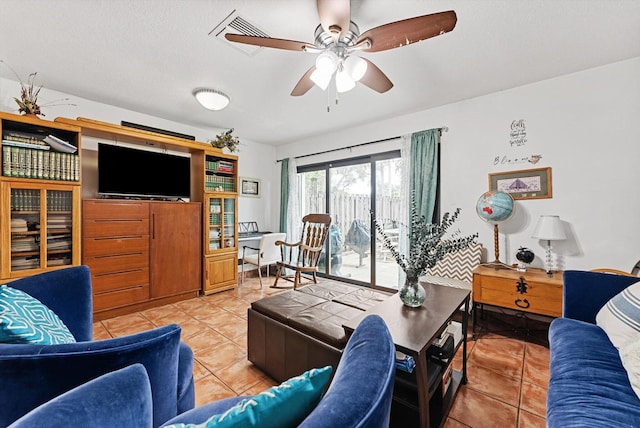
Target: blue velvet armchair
(361,390)
(121,398)
(359,395)
(34,374)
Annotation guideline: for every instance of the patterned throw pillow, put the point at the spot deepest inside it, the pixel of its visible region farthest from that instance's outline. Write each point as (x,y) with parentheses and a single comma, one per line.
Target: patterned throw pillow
(280,406)
(459,264)
(620,317)
(630,356)
(24,319)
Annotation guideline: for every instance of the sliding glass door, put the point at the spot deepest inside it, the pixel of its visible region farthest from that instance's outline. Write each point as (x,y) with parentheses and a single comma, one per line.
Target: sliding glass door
(352,191)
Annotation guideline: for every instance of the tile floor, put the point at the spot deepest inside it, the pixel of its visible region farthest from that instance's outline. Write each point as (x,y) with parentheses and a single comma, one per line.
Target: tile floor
(507,370)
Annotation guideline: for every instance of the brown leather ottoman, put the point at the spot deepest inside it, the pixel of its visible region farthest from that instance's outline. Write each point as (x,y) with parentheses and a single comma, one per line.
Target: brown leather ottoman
(300,329)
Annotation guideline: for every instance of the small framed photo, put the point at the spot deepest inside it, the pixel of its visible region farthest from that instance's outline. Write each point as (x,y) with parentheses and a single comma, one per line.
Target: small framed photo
(250,187)
(523,184)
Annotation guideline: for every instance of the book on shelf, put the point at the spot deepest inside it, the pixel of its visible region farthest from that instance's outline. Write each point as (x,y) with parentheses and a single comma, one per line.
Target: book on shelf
(35,163)
(25,145)
(25,137)
(60,145)
(59,243)
(29,262)
(28,243)
(58,261)
(19,225)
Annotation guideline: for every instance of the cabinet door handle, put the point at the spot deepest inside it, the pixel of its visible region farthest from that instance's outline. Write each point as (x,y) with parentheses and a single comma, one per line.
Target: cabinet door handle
(522,303)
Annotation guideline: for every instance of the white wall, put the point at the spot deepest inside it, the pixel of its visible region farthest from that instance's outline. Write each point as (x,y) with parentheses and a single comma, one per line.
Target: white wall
(256,160)
(586,127)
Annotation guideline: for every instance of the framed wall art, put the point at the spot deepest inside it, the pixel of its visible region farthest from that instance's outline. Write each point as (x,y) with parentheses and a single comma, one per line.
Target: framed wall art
(523,184)
(250,187)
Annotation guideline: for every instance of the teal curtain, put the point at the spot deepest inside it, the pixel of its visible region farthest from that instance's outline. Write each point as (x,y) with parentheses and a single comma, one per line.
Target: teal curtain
(284,194)
(423,171)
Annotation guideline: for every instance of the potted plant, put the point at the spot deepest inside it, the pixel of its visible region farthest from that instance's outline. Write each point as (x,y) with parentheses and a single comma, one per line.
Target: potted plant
(28,101)
(427,245)
(226,139)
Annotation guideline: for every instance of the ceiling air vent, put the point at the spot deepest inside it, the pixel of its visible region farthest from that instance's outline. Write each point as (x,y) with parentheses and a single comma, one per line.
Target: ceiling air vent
(238,25)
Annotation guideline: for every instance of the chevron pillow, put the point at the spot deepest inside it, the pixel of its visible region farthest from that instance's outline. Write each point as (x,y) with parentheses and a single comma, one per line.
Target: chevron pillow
(24,319)
(458,265)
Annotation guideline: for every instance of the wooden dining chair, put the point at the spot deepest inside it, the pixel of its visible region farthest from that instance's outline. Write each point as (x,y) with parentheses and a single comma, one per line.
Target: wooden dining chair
(304,255)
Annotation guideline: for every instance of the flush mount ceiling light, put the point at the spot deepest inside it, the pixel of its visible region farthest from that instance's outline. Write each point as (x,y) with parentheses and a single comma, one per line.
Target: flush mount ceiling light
(211,99)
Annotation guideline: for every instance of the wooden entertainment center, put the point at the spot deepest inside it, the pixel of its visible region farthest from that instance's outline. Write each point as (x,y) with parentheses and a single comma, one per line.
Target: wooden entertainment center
(142,253)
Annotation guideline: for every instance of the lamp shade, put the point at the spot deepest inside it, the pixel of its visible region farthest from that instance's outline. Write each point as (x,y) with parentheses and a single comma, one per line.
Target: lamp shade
(356,67)
(211,99)
(549,228)
(344,82)
(320,78)
(327,62)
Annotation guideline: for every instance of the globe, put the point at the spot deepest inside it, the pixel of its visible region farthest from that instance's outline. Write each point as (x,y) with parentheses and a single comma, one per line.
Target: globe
(494,206)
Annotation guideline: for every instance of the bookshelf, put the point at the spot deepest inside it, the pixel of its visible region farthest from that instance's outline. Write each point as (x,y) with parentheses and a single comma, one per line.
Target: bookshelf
(40,187)
(214,177)
(220,222)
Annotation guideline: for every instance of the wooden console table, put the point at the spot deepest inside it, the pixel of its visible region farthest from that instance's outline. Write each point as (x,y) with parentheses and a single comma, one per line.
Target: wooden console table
(531,291)
(413,330)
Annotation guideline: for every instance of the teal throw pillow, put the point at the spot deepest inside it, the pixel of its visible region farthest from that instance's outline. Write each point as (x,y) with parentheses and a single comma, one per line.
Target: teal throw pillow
(280,406)
(24,319)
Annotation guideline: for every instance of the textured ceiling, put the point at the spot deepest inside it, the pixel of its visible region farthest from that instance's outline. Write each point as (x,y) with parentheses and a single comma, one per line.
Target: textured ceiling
(149,55)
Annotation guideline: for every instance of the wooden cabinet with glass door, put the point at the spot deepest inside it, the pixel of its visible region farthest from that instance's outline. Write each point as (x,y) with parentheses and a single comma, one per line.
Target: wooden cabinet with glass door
(220,223)
(39,196)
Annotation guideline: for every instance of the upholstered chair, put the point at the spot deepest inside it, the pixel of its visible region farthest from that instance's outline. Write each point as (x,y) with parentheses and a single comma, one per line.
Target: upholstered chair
(32,374)
(121,398)
(360,392)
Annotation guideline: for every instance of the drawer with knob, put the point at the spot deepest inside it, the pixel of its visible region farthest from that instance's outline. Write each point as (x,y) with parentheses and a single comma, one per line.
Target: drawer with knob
(531,291)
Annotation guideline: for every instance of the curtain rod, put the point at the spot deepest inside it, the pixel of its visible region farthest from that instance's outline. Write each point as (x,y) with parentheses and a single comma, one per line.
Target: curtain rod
(443,129)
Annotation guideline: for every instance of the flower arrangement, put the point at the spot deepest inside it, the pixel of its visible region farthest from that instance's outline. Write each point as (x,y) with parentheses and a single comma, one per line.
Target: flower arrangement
(226,139)
(28,101)
(427,246)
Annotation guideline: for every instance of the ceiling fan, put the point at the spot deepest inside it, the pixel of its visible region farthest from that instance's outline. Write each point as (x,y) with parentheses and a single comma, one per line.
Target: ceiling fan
(337,38)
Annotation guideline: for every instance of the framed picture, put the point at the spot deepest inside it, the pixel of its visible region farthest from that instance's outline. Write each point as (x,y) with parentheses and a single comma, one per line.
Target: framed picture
(250,187)
(523,184)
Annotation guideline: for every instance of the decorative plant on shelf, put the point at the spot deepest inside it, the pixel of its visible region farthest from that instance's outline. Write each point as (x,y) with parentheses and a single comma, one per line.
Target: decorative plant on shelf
(427,245)
(226,139)
(28,101)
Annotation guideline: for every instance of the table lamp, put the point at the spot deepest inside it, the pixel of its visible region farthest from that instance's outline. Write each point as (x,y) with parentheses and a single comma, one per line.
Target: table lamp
(549,228)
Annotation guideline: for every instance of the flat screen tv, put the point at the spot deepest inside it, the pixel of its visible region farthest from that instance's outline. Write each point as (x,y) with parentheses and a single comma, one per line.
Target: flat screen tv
(128,172)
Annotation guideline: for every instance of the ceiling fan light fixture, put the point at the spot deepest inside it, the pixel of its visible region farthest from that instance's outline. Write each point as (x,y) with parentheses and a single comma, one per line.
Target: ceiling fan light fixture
(211,99)
(344,82)
(320,78)
(327,62)
(356,67)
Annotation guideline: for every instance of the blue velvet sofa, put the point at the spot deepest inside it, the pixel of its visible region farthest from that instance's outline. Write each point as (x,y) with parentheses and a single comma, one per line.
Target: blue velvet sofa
(588,385)
(33,374)
(359,395)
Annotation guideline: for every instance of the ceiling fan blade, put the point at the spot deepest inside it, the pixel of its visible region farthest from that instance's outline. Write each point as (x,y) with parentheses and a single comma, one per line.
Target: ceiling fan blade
(304,84)
(269,42)
(375,79)
(407,31)
(335,16)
